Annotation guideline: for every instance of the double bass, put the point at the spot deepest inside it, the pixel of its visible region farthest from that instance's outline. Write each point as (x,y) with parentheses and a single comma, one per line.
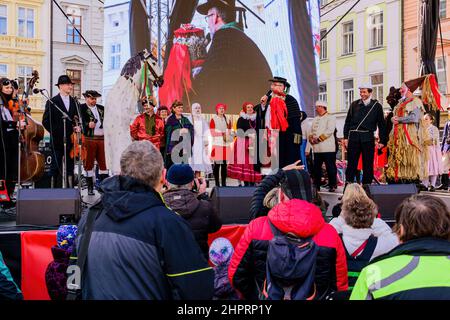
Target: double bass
(32,162)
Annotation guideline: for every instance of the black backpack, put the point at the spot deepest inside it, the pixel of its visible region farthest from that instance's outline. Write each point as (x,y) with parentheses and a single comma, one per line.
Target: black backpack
(290,268)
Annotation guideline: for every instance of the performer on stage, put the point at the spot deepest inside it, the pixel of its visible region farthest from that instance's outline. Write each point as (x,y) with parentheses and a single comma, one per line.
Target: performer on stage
(363,118)
(177,124)
(242,167)
(433,149)
(53,122)
(93,115)
(284,115)
(148,126)
(8,142)
(200,161)
(220,127)
(407,162)
(323,144)
(163,113)
(445,149)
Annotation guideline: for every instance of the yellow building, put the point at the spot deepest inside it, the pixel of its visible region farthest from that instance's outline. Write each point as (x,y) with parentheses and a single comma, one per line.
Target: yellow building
(24,44)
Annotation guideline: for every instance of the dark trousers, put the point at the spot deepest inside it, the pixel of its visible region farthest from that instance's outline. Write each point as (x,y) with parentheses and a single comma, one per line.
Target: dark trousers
(56,169)
(220,166)
(355,148)
(9,159)
(330,163)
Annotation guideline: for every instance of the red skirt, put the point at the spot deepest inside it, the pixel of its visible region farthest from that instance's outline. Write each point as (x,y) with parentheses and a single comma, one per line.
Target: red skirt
(242,168)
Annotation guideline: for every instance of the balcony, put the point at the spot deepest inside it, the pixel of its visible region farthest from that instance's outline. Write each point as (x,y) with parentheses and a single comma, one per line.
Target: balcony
(19,43)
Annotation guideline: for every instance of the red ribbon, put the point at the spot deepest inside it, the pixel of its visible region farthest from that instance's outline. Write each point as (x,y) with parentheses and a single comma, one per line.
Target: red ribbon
(278,113)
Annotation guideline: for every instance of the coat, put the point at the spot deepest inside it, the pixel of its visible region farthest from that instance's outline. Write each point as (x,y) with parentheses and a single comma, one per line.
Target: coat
(138,132)
(234,71)
(88,116)
(445,146)
(9,148)
(323,128)
(54,124)
(8,288)
(200,214)
(147,248)
(248,263)
(173,124)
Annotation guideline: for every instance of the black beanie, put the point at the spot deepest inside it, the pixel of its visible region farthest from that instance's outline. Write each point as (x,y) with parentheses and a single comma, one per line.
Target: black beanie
(296,184)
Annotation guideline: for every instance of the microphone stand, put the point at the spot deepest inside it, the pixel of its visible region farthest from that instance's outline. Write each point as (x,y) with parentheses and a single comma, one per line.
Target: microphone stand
(65,117)
(80,145)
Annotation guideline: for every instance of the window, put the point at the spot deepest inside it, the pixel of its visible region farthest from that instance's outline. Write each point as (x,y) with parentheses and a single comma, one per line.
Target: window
(72,35)
(347,35)
(75,76)
(440,72)
(376,30)
(26,23)
(377,84)
(24,75)
(323,45)
(115,57)
(323,91)
(347,89)
(3,19)
(3,70)
(443,9)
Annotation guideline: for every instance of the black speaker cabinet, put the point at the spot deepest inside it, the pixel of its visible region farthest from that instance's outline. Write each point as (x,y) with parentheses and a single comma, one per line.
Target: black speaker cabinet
(48,207)
(233,203)
(388,197)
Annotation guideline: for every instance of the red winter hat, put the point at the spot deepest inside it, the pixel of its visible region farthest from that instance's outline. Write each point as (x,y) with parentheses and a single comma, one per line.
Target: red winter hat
(244,106)
(221,105)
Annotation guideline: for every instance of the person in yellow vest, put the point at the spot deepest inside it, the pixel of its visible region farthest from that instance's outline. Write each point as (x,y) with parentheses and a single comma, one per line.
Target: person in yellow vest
(323,144)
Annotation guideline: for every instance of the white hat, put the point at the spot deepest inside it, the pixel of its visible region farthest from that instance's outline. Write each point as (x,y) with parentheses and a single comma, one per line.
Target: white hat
(365,86)
(418,92)
(321,103)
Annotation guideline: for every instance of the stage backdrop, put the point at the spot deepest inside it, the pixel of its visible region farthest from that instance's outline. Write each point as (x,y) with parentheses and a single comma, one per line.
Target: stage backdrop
(264,38)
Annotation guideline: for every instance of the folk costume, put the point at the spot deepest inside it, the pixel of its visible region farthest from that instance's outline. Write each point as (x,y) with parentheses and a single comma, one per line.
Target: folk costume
(445,149)
(94,140)
(200,161)
(146,127)
(432,147)
(220,127)
(244,150)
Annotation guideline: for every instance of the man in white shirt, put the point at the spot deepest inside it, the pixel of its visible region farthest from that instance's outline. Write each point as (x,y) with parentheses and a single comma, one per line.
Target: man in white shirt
(93,115)
(322,142)
(53,122)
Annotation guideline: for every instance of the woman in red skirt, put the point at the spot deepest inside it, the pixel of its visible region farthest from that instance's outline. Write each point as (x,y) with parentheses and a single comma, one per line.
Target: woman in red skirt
(242,167)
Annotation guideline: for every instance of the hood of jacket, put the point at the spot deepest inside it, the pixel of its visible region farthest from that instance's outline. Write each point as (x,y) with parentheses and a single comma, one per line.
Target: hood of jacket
(124,197)
(297,216)
(183,201)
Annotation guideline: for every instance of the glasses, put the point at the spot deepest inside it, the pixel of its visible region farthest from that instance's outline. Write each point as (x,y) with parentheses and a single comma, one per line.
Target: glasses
(209,15)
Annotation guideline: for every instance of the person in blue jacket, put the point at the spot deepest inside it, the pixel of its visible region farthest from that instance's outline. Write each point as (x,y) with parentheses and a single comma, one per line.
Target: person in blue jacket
(8,288)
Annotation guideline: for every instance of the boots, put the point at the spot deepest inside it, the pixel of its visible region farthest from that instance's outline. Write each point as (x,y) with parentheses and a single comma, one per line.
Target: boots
(103,177)
(444,183)
(90,183)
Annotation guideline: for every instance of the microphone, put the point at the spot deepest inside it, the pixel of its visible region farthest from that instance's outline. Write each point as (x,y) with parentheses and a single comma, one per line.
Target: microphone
(36,90)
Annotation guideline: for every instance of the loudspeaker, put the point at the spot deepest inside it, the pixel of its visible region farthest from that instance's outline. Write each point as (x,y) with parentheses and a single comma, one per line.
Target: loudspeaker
(233,203)
(48,207)
(388,197)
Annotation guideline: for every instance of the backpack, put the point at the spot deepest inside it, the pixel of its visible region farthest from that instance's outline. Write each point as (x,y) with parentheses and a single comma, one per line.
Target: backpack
(290,267)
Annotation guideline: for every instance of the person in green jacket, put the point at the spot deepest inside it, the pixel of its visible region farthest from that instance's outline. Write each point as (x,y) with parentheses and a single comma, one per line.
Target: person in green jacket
(419,268)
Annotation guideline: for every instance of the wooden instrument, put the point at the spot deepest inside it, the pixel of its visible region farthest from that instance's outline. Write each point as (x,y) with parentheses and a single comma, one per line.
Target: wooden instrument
(32,162)
(78,150)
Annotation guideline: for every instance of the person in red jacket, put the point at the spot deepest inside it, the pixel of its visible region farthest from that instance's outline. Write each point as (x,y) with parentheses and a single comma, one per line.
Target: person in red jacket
(148,126)
(294,213)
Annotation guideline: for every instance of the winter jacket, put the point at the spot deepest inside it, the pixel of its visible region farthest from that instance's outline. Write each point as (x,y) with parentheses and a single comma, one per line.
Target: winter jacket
(8,288)
(323,128)
(55,275)
(248,264)
(200,214)
(415,270)
(141,250)
(138,131)
(354,238)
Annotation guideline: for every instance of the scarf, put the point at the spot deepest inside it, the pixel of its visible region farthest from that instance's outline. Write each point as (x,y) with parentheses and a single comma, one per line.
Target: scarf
(150,126)
(278,112)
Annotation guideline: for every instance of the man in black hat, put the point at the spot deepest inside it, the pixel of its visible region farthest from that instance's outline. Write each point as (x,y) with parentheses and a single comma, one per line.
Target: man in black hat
(234,70)
(290,140)
(93,115)
(53,122)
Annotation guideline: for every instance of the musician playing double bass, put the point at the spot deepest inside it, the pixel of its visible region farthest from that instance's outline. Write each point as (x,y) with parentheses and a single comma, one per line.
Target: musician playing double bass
(93,115)
(53,122)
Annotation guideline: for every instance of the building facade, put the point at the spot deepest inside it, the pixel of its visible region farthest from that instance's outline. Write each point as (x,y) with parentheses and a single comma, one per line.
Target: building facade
(116,41)
(24,44)
(411,44)
(364,47)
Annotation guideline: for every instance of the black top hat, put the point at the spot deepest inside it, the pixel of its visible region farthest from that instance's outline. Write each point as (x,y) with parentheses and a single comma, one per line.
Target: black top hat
(64,79)
(91,94)
(224,4)
(280,80)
